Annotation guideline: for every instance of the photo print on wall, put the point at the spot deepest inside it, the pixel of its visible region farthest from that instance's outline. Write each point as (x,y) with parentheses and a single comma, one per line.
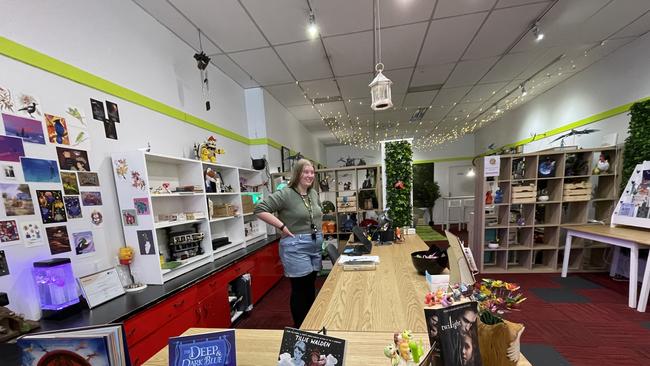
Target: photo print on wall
(72,159)
(6,100)
(30,130)
(141,205)
(32,233)
(28,105)
(16,199)
(91,198)
(88,179)
(73,207)
(57,130)
(11,148)
(98,110)
(129,218)
(70,185)
(40,170)
(83,242)
(51,206)
(110,130)
(57,237)
(97,218)
(113,112)
(145,241)
(9,233)
(8,172)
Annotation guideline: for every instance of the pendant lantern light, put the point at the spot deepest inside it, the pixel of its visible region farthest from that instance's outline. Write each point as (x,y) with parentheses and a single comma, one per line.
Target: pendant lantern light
(380,85)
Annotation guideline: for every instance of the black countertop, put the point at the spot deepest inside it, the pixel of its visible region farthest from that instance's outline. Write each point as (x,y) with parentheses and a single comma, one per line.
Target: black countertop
(123,307)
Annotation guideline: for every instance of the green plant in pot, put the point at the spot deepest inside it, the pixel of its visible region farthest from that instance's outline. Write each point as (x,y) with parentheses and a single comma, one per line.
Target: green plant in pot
(399,180)
(426,191)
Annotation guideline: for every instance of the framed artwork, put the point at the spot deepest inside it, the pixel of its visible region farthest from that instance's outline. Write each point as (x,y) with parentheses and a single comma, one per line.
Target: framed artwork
(285,153)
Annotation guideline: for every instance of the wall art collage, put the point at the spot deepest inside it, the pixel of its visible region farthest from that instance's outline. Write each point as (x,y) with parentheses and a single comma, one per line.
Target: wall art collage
(54,181)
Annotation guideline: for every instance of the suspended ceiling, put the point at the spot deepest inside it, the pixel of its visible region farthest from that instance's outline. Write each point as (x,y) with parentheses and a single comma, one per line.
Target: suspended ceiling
(472,55)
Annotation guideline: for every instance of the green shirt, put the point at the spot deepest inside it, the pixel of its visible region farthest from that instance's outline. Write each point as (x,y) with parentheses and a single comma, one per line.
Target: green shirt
(292,209)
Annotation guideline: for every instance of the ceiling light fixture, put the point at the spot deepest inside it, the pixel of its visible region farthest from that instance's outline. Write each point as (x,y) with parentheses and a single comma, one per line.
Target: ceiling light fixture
(312,28)
(539,35)
(471,173)
(524,92)
(380,85)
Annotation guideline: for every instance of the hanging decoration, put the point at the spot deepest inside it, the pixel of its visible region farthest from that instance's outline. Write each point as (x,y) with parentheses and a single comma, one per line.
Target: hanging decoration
(202,61)
(380,85)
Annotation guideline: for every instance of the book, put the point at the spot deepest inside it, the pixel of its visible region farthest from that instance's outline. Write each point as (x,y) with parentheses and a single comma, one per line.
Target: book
(88,346)
(206,349)
(453,334)
(300,348)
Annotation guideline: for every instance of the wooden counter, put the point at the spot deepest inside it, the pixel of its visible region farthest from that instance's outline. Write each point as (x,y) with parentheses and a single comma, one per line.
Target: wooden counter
(387,299)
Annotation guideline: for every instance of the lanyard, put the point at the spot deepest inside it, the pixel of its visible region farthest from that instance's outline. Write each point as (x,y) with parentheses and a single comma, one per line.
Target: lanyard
(307,203)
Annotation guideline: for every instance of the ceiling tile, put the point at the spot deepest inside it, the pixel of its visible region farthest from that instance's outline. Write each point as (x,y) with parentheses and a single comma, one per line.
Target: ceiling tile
(509,3)
(234,71)
(355,86)
(395,12)
(351,53)
(314,125)
(225,22)
(400,79)
(358,106)
(332,109)
(284,26)
(400,45)
(264,65)
(469,72)
(502,28)
(637,28)
(430,75)
(440,47)
(449,96)
(306,60)
(611,19)
(511,65)
(483,92)
(343,16)
(179,25)
(448,8)
(463,109)
(288,94)
(437,112)
(421,99)
(304,112)
(320,88)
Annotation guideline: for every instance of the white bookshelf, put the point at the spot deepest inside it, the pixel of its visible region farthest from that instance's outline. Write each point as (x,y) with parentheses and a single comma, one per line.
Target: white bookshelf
(156,169)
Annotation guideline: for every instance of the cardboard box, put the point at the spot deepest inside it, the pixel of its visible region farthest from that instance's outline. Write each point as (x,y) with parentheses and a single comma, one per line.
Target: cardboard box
(247,204)
(225,210)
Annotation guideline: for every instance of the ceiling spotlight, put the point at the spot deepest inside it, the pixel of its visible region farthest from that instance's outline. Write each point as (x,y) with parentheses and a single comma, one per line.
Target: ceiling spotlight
(312,28)
(524,92)
(497,109)
(537,33)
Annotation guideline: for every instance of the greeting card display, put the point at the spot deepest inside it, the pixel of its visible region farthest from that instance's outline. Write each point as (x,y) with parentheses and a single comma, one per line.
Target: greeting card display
(633,208)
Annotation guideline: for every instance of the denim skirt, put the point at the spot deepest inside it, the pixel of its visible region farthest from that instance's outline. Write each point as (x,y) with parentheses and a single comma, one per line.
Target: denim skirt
(301,255)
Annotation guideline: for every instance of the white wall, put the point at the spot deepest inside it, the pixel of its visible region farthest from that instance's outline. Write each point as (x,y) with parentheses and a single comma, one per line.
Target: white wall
(122,44)
(621,77)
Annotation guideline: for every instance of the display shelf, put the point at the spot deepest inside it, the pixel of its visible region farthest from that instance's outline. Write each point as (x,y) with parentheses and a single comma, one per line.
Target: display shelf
(540,241)
(173,195)
(222,193)
(186,266)
(248,214)
(251,238)
(218,219)
(164,224)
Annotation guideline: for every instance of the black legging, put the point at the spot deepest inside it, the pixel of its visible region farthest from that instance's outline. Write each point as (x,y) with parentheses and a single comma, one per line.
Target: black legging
(303,294)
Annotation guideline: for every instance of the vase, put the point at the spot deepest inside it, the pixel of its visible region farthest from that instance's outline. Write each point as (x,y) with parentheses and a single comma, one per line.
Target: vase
(495,341)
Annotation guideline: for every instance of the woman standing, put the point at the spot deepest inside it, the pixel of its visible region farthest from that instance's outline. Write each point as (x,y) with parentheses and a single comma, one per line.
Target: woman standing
(299,219)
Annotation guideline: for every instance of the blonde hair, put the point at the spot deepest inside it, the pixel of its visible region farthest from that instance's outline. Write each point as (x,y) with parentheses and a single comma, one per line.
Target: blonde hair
(297,172)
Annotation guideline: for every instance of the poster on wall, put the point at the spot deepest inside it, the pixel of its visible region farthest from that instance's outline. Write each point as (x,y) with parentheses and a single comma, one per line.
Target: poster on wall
(110,130)
(30,130)
(141,205)
(98,110)
(40,170)
(51,206)
(145,241)
(16,199)
(9,233)
(57,237)
(11,149)
(91,198)
(57,130)
(73,207)
(28,105)
(97,218)
(491,165)
(6,100)
(72,159)
(32,233)
(113,112)
(88,179)
(8,172)
(70,185)
(83,242)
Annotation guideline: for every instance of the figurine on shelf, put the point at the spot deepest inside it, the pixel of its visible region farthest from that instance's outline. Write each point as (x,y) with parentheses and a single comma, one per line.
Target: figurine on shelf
(602,166)
(347,186)
(542,195)
(520,220)
(325,184)
(162,189)
(404,351)
(547,168)
(367,183)
(207,151)
(211,181)
(520,170)
(498,196)
(488,198)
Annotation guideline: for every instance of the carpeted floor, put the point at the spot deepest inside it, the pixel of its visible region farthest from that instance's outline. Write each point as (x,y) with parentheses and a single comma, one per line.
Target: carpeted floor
(580,320)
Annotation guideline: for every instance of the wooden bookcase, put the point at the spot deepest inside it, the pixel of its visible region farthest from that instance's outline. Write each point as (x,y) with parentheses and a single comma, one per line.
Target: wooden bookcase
(166,210)
(352,202)
(529,231)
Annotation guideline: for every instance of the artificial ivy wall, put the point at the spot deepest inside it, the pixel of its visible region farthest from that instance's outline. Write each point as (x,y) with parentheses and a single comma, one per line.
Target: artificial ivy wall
(637,144)
(398,160)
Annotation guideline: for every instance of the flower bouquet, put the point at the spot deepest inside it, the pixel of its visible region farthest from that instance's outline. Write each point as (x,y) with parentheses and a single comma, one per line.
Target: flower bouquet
(495,298)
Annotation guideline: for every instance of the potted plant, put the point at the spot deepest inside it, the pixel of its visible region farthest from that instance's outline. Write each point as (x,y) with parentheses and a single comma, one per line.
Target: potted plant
(425,190)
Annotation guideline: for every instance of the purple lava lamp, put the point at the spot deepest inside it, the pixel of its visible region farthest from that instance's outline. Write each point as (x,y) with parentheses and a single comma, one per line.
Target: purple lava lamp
(55,284)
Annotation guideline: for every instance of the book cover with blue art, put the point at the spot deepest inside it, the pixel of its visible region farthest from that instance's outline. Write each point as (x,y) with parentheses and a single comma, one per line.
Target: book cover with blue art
(64,351)
(207,349)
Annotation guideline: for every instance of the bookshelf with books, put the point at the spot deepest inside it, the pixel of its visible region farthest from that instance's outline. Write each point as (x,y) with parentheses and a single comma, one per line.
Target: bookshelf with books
(180,213)
(521,213)
(349,195)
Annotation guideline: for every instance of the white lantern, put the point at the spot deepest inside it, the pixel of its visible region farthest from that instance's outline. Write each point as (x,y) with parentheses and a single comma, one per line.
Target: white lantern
(380,90)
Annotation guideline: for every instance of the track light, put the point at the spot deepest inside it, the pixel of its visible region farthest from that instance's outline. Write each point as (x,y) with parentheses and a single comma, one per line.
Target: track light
(524,92)
(312,28)
(497,109)
(539,35)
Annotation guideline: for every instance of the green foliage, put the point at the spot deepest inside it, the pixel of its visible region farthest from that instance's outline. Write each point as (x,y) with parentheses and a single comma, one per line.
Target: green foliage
(399,158)
(425,190)
(637,144)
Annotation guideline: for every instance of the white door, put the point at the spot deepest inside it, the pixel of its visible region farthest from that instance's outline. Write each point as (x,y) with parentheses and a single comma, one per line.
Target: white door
(459,183)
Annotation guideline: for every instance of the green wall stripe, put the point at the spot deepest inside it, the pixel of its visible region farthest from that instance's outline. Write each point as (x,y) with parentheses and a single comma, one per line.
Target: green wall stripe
(44,62)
